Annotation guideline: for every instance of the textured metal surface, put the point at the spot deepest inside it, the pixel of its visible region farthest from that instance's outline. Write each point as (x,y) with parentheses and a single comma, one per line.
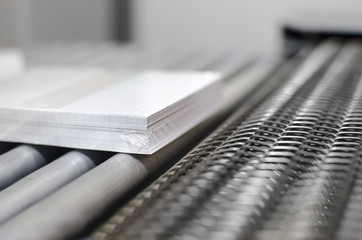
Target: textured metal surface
(289,170)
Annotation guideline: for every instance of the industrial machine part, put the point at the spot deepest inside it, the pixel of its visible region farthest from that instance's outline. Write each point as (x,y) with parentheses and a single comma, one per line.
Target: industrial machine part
(288,170)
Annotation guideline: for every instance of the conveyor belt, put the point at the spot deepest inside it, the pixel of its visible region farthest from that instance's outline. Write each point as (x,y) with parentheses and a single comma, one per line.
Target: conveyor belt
(288,170)
(55,193)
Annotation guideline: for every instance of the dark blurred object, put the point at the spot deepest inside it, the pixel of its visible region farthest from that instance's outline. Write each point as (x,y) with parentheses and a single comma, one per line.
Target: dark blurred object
(24,22)
(296,38)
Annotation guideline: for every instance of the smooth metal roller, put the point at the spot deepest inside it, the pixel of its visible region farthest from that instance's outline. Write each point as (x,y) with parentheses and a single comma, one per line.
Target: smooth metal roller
(42,182)
(19,162)
(71,208)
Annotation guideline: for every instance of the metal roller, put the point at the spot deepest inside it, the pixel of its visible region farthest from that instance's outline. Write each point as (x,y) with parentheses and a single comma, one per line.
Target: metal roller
(42,182)
(18,163)
(22,160)
(70,209)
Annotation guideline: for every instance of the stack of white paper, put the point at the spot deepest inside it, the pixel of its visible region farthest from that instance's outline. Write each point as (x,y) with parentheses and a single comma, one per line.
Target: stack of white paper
(11,63)
(134,112)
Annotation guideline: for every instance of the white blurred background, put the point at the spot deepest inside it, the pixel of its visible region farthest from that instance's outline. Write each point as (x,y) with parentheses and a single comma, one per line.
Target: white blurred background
(249,27)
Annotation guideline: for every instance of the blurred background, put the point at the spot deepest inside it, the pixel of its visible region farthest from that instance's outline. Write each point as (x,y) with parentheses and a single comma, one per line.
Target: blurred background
(248,27)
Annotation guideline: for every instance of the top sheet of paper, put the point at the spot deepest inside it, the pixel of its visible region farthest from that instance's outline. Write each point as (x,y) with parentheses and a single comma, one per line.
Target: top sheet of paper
(91,97)
(97,92)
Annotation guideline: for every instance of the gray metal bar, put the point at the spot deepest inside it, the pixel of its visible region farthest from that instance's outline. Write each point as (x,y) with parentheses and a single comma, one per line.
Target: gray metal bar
(42,182)
(73,206)
(17,163)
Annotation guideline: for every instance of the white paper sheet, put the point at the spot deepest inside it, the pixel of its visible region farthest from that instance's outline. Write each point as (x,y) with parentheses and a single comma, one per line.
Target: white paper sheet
(122,111)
